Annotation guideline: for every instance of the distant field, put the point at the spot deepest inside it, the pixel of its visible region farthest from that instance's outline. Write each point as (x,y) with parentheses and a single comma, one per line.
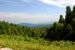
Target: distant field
(27,43)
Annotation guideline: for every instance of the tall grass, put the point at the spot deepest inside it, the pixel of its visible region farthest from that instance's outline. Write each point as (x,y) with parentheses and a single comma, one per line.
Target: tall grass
(28,43)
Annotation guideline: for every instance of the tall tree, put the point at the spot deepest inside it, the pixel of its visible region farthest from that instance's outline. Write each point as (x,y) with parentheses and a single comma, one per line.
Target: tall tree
(61,20)
(55,26)
(73,18)
(69,32)
(68,15)
(74,9)
(73,14)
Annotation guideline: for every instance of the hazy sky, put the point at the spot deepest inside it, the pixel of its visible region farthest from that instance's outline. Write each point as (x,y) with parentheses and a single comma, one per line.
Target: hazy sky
(33,11)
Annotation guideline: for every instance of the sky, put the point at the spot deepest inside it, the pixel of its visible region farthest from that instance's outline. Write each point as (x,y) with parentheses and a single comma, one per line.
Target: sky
(33,11)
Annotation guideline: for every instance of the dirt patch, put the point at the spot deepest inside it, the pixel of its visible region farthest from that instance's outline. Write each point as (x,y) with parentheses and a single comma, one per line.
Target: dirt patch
(5,49)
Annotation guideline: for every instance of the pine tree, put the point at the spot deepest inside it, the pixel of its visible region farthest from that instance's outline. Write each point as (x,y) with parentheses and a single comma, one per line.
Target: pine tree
(68,15)
(54,26)
(74,9)
(73,14)
(61,20)
(69,28)
(69,32)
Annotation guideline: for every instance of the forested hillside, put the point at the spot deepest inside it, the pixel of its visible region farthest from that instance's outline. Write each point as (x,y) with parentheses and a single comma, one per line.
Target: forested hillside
(13,29)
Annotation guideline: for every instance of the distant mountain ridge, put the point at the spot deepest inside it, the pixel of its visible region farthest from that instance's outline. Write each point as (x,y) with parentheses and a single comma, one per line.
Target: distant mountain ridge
(35,25)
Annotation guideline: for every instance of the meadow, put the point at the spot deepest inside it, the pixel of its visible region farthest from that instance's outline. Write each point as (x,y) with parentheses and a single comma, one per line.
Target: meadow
(29,43)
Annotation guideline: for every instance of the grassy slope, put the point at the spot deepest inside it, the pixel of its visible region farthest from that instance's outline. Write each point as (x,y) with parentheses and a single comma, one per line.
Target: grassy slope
(14,36)
(28,43)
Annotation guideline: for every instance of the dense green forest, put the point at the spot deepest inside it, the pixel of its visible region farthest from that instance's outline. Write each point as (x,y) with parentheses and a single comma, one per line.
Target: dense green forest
(59,36)
(64,29)
(14,29)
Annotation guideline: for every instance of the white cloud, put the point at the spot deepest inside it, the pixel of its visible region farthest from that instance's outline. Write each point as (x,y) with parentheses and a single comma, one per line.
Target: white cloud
(26,18)
(59,3)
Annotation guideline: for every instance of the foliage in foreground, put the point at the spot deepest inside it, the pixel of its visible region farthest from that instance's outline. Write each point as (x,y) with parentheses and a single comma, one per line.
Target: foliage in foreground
(28,43)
